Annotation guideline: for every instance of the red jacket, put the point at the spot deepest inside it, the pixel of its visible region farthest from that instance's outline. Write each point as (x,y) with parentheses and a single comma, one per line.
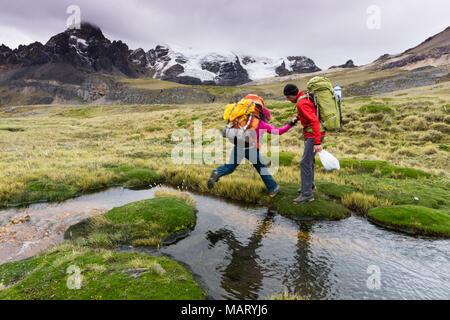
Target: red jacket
(307,114)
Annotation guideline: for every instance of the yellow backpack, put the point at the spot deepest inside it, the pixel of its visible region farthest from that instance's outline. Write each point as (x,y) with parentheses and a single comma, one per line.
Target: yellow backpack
(242,120)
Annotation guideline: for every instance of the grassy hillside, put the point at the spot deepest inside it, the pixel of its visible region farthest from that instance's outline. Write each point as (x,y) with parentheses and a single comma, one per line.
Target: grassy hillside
(397,149)
(149,83)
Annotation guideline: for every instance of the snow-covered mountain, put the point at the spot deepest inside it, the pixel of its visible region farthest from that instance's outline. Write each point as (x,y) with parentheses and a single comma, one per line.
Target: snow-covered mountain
(193,67)
(72,55)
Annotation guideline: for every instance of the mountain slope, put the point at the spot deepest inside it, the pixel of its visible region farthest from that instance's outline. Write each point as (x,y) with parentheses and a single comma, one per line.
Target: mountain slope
(68,57)
(88,51)
(434,51)
(425,64)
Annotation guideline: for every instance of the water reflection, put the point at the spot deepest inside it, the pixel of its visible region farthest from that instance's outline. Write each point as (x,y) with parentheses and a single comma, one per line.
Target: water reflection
(309,276)
(243,275)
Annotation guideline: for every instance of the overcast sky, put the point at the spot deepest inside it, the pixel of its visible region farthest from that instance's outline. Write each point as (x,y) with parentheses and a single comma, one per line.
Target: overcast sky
(328,31)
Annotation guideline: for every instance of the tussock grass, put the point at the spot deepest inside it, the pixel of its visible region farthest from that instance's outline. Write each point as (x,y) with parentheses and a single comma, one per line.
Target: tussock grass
(414,123)
(362,203)
(183,196)
(376,108)
(429,150)
(383,167)
(441,127)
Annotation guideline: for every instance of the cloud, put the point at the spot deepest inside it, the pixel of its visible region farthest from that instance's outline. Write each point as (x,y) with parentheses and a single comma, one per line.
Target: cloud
(329,32)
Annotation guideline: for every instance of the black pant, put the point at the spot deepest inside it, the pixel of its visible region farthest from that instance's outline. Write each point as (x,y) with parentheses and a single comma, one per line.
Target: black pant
(307,166)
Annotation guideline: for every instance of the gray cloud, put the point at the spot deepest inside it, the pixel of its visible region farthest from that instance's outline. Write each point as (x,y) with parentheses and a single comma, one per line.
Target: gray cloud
(329,32)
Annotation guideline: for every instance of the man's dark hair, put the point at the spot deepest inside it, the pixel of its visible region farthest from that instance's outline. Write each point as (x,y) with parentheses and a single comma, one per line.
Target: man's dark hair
(290,90)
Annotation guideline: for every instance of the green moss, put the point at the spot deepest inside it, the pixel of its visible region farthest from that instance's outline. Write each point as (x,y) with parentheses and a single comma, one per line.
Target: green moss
(333,145)
(375,108)
(170,213)
(136,177)
(421,192)
(181,123)
(104,275)
(146,221)
(334,190)
(415,219)
(47,190)
(383,167)
(443,147)
(321,208)
(284,157)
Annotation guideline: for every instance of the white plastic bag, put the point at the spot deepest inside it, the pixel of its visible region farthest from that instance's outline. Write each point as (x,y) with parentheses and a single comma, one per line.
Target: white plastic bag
(329,161)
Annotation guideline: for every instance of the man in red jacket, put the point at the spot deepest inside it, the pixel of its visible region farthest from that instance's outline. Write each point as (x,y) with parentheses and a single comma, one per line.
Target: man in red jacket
(313,135)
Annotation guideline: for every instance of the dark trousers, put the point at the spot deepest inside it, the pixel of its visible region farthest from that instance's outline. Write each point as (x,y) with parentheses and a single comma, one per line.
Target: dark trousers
(307,166)
(255,158)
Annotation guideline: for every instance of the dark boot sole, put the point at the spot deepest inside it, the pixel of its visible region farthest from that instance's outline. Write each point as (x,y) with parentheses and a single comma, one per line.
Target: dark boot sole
(310,200)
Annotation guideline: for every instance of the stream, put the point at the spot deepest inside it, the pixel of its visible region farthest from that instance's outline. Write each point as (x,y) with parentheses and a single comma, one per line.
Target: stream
(248,252)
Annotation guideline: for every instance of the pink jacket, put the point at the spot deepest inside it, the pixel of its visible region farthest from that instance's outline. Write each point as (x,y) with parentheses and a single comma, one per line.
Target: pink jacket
(263,126)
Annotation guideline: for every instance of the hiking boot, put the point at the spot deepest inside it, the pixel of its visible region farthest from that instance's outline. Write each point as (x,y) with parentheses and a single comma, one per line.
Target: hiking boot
(303,199)
(300,190)
(274,192)
(213,179)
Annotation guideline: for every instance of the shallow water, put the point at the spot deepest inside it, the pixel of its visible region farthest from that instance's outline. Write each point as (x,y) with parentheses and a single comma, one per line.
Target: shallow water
(246,252)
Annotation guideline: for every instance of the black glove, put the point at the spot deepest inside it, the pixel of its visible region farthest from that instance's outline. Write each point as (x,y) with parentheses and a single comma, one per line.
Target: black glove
(293,122)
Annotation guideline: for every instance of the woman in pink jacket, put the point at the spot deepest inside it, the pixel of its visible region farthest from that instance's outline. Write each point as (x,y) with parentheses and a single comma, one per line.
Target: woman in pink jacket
(253,155)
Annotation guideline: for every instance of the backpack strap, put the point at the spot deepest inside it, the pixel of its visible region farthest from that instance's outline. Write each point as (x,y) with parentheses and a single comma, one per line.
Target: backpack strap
(303,97)
(231,112)
(249,117)
(253,102)
(311,96)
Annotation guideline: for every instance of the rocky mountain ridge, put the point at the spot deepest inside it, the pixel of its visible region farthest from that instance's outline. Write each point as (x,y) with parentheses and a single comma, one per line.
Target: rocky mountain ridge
(87,50)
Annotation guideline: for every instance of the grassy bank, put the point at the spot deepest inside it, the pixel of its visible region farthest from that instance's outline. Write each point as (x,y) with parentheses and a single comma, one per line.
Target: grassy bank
(146,222)
(87,267)
(393,151)
(412,219)
(103,274)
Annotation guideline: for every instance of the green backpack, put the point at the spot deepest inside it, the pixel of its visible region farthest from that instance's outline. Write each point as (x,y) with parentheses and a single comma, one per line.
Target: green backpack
(328,107)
